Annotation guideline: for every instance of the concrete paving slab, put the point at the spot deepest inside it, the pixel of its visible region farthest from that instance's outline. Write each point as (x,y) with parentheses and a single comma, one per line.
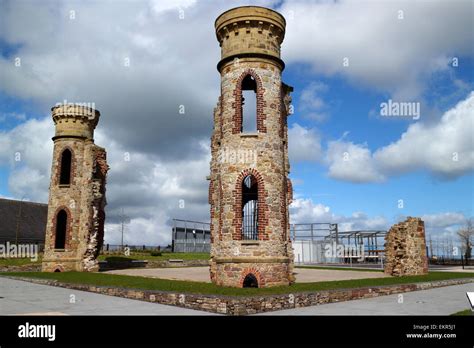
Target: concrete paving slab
(24,298)
(440,301)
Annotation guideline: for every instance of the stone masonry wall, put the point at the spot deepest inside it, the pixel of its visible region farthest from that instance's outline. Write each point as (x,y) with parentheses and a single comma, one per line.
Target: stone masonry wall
(405,248)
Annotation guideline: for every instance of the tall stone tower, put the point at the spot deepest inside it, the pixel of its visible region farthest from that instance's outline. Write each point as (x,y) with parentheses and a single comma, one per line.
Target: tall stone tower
(249,189)
(75,227)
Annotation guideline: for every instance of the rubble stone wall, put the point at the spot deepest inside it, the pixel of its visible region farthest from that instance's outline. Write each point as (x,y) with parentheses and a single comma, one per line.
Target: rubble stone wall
(405,248)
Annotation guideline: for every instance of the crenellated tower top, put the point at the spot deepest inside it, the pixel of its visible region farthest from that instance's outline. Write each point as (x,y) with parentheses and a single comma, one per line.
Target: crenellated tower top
(250,31)
(74,121)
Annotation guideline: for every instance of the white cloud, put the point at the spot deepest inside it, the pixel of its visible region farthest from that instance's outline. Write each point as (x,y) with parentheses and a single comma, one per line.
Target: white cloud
(312,104)
(304,210)
(445,148)
(443,220)
(351,162)
(26,150)
(304,144)
(385,53)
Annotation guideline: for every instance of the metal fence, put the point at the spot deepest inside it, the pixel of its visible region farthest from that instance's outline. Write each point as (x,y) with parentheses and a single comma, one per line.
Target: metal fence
(315,243)
(191,236)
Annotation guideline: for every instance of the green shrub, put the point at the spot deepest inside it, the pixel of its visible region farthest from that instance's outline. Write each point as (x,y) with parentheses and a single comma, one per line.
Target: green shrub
(155,253)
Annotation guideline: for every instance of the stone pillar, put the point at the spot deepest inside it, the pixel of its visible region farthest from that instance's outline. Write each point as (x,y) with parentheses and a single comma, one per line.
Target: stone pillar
(75,227)
(405,248)
(250,39)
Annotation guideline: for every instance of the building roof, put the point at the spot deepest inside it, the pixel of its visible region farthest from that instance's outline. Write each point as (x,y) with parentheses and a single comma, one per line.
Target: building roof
(31,225)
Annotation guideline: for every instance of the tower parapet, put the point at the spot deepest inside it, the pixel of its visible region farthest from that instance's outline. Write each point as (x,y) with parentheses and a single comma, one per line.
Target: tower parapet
(74,120)
(250,31)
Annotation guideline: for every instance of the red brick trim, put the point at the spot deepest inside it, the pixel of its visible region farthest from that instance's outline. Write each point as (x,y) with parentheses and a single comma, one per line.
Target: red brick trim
(262,205)
(221,204)
(237,104)
(255,272)
(67,239)
(59,165)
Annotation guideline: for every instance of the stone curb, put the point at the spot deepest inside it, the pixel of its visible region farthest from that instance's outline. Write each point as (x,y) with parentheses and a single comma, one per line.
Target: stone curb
(244,305)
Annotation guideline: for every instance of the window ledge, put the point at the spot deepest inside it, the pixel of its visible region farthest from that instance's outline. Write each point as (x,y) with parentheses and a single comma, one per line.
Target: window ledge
(64,185)
(250,242)
(249,135)
(59,250)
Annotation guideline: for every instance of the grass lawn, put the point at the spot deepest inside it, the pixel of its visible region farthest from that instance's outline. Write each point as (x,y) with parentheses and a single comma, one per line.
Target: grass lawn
(131,282)
(342,268)
(464,312)
(163,257)
(18,261)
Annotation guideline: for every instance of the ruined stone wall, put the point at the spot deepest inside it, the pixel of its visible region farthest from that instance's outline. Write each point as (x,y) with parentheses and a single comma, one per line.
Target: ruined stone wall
(405,248)
(263,154)
(83,199)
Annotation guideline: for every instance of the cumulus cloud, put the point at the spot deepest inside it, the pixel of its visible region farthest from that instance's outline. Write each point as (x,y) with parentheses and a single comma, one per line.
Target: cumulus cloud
(351,162)
(444,148)
(311,102)
(305,210)
(304,144)
(26,150)
(391,46)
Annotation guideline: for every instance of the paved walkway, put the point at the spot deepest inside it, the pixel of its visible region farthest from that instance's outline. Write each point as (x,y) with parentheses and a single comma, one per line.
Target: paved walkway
(441,301)
(201,274)
(24,298)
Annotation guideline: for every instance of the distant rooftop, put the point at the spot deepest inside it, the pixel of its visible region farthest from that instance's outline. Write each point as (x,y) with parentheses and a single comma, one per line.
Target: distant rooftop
(31,224)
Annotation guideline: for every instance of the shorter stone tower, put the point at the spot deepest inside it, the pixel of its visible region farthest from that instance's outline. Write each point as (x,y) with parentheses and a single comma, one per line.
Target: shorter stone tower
(75,227)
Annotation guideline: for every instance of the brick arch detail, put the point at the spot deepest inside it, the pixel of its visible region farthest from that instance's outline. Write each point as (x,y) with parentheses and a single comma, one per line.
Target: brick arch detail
(58,267)
(68,227)
(237,104)
(262,205)
(59,165)
(251,270)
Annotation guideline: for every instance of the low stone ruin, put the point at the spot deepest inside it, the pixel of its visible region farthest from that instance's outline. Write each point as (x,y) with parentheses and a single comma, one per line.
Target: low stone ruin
(405,248)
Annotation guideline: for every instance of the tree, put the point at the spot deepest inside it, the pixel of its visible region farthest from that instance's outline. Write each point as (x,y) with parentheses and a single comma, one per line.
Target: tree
(466,234)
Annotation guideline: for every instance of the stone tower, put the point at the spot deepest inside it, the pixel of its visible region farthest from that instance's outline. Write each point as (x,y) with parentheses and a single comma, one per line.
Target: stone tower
(75,227)
(249,189)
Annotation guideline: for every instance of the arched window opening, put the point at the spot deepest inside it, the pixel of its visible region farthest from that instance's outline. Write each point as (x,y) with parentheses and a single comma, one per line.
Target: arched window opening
(250,281)
(65,173)
(61,228)
(250,208)
(249,105)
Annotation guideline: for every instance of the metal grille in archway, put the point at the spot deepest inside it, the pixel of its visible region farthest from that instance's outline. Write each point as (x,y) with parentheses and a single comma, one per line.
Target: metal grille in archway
(250,208)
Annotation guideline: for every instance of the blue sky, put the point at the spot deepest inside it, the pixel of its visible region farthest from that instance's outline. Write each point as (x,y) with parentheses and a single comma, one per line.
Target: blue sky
(349,110)
(404,56)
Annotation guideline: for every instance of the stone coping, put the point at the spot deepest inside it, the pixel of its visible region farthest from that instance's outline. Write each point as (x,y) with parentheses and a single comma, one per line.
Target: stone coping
(125,264)
(245,305)
(251,259)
